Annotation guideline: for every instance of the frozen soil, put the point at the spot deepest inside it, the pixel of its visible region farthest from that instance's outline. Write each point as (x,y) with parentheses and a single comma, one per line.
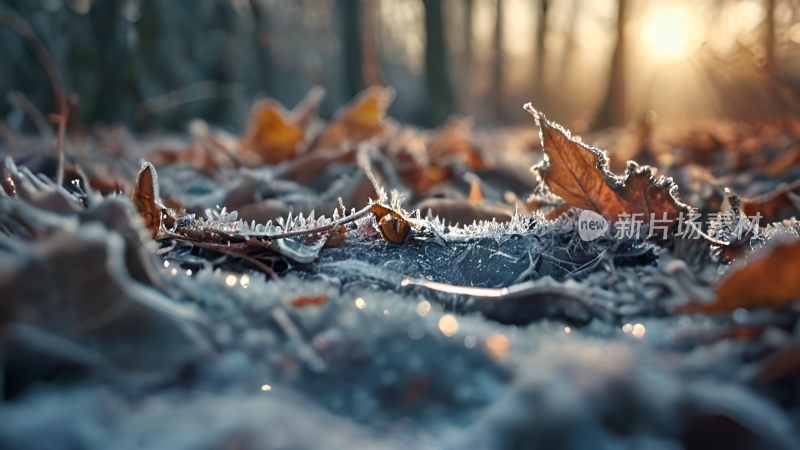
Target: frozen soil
(109,342)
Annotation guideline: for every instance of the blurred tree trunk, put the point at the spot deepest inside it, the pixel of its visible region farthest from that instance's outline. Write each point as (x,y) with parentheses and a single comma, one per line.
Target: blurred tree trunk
(350,22)
(110,31)
(262,44)
(569,46)
(469,7)
(540,51)
(769,36)
(612,109)
(437,80)
(371,59)
(496,90)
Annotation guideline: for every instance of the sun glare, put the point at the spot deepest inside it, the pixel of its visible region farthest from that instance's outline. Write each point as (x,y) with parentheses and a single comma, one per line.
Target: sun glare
(669,34)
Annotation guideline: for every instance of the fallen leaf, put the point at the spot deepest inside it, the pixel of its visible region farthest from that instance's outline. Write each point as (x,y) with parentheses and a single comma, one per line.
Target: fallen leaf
(302,302)
(779,204)
(145,197)
(394,226)
(337,237)
(454,142)
(194,156)
(579,174)
(783,162)
(767,280)
(422,178)
(357,122)
(272,136)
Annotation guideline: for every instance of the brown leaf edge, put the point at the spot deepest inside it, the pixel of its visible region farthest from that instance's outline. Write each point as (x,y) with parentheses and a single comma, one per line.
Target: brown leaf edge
(615,182)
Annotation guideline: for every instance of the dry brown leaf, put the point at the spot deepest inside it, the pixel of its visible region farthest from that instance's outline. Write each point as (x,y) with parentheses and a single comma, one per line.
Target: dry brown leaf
(422,178)
(454,142)
(782,203)
(579,174)
(768,280)
(784,162)
(337,237)
(359,121)
(272,136)
(394,227)
(145,197)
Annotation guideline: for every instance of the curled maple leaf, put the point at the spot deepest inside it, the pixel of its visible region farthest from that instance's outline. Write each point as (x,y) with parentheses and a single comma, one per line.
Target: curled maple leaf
(580,175)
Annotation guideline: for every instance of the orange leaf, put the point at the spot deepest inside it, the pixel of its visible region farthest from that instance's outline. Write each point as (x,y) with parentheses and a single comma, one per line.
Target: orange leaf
(475,195)
(302,302)
(359,121)
(579,174)
(454,142)
(272,136)
(768,280)
(336,238)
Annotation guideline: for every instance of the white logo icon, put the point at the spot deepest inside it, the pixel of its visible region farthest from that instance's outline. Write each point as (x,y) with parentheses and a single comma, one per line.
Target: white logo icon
(591,225)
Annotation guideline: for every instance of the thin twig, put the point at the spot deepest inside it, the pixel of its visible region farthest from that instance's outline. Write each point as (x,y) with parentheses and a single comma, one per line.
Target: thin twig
(25,104)
(197,91)
(254,261)
(235,249)
(251,244)
(62,119)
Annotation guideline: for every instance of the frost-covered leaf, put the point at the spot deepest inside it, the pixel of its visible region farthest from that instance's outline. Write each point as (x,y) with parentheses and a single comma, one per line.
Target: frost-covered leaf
(781,203)
(768,279)
(580,175)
